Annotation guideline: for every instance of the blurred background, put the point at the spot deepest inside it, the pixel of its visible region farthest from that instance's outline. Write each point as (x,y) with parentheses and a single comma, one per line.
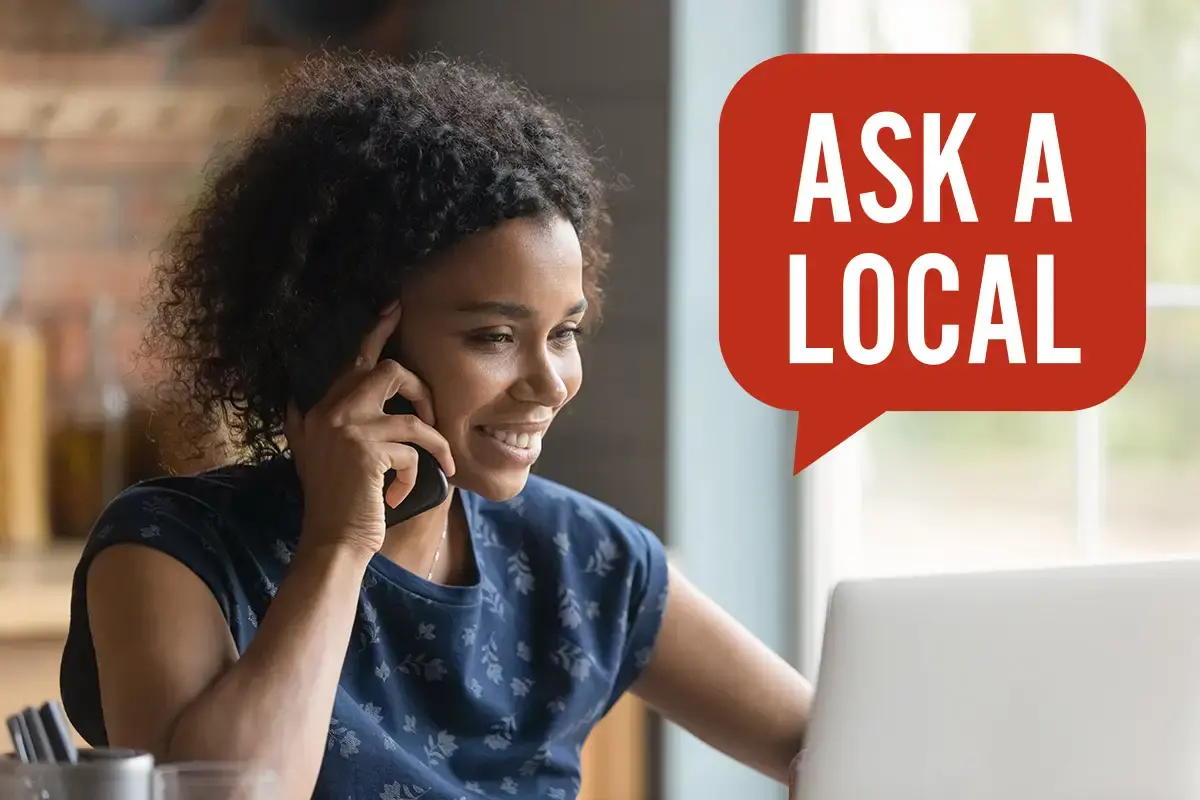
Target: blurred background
(109,110)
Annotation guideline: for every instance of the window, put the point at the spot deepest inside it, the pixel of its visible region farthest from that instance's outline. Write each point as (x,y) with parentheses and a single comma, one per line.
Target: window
(950,491)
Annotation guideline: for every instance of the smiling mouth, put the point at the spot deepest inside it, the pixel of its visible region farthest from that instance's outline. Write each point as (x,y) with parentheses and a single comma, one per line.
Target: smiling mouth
(522,440)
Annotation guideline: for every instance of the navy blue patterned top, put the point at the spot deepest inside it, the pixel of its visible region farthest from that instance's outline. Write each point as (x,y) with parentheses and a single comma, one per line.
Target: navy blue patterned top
(447,691)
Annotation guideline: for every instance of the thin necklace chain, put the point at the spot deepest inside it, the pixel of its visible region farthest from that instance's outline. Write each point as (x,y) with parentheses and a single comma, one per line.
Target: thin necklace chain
(438,552)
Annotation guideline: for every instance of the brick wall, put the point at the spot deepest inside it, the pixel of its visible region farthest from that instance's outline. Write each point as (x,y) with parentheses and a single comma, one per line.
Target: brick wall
(102,139)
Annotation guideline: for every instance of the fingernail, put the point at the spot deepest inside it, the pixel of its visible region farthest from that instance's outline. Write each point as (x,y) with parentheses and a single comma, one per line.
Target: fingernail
(392,306)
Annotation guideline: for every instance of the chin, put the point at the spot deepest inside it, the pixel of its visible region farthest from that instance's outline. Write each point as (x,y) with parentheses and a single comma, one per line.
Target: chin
(491,484)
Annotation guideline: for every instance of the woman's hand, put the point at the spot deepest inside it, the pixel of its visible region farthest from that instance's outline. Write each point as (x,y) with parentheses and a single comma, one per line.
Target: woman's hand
(345,444)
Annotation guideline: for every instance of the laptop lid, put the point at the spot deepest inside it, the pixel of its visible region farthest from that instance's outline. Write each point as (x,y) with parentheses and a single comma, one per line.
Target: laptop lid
(1072,683)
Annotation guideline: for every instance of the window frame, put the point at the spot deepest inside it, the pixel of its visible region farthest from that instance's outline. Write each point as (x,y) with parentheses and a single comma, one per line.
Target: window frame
(829,503)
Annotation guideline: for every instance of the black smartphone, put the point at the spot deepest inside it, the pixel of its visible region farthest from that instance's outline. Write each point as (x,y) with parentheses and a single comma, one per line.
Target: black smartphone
(325,353)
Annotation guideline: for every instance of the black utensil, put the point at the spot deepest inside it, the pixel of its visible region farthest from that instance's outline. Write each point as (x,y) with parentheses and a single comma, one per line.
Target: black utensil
(37,736)
(26,737)
(55,723)
(20,743)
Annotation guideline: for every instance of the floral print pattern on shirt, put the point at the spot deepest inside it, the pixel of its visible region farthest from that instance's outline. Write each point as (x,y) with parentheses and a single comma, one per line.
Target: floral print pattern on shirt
(446,692)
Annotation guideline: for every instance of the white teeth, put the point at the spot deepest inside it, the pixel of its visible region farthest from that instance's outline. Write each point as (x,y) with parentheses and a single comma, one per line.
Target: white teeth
(524,441)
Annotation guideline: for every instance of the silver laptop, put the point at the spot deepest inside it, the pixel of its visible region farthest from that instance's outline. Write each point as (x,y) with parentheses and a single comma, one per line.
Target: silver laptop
(1076,683)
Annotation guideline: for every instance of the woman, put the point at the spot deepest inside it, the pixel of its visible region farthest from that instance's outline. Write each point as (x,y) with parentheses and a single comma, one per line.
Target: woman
(264,612)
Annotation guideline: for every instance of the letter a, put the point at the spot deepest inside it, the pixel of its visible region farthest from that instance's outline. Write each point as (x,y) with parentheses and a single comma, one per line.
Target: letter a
(1043,141)
(822,141)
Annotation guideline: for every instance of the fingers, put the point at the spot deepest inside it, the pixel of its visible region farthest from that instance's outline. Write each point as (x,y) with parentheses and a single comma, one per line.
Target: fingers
(358,397)
(377,338)
(389,379)
(368,355)
(406,429)
(403,459)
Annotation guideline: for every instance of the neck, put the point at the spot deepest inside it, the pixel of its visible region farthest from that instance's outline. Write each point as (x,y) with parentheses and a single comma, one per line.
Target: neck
(413,543)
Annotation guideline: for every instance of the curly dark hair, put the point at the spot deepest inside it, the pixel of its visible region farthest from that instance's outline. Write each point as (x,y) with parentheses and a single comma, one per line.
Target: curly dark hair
(360,171)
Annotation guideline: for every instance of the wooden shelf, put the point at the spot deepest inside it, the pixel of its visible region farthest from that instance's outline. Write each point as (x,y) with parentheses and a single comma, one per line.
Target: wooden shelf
(35,592)
(49,112)
(614,757)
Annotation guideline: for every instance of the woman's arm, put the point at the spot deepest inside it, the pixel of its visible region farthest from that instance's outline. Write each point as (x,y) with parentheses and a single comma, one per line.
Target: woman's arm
(170,678)
(711,676)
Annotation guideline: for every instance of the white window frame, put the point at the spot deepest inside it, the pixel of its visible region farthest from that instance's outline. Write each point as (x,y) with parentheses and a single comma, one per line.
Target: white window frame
(831,491)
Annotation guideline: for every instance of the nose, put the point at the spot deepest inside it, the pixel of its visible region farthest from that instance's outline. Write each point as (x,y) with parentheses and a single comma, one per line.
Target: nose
(541,382)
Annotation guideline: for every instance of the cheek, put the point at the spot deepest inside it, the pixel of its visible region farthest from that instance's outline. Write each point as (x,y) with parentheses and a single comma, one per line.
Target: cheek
(460,387)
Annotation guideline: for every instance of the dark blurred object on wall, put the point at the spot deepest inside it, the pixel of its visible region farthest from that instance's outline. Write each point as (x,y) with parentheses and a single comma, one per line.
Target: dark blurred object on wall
(310,22)
(144,14)
(301,24)
(45,26)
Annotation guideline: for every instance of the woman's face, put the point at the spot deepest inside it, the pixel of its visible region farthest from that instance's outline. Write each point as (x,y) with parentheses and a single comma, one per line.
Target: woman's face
(491,329)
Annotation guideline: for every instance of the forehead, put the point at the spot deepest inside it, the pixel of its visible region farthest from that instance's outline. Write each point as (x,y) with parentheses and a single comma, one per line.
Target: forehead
(533,260)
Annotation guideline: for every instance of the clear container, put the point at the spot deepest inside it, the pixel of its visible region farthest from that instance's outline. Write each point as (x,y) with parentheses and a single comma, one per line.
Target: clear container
(213,781)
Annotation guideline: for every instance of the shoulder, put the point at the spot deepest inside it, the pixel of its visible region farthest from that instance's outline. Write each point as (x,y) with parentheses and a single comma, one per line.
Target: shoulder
(190,506)
(176,515)
(182,501)
(222,524)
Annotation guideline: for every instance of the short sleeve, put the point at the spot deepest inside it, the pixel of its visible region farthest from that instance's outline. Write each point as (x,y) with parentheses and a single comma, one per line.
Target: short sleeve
(177,523)
(648,580)
(171,520)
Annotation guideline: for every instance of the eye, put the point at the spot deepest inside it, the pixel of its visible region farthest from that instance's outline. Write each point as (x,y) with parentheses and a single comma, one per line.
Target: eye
(566,335)
(490,339)
(496,338)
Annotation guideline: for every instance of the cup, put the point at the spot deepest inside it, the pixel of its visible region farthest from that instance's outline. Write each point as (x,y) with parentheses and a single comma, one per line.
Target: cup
(102,773)
(205,780)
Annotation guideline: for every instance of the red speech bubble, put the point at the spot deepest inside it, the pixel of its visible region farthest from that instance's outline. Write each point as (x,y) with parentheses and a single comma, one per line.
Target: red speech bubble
(930,232)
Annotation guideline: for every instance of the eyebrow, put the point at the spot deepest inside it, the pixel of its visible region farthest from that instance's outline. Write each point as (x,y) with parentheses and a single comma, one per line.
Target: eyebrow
(514,310)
